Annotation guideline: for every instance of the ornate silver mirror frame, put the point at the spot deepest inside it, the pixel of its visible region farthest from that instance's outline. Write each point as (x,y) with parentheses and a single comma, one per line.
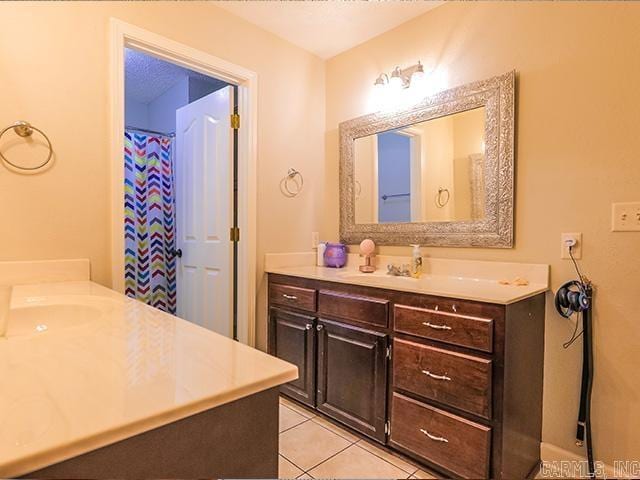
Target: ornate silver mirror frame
(495,229)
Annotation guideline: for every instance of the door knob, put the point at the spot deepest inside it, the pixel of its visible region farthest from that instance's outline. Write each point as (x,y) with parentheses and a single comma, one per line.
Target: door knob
(177,253)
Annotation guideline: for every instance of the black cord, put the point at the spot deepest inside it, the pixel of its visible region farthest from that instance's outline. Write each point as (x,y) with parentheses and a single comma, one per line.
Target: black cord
(584,281)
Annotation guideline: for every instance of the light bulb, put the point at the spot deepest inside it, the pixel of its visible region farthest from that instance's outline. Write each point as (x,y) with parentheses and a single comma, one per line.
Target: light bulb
(418,78)
(380,87)
(395,83)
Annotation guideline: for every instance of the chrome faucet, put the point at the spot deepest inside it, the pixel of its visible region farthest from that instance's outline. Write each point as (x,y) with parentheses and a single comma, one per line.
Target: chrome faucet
(401,271)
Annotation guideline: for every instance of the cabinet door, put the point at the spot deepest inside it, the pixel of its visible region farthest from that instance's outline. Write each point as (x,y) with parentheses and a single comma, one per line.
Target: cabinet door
(292,338)
(352,376)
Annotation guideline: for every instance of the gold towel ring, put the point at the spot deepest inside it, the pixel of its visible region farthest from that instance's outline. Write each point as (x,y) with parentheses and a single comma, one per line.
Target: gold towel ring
(25,129)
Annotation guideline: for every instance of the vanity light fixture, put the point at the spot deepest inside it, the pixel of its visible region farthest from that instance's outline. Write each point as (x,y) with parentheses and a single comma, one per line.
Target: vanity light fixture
(401,77)
(403,86)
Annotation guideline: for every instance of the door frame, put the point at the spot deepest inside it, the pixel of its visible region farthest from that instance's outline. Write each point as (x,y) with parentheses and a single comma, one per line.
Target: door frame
(124,35)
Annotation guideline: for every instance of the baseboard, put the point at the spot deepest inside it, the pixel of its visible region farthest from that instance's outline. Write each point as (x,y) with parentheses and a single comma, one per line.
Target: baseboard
(560,463)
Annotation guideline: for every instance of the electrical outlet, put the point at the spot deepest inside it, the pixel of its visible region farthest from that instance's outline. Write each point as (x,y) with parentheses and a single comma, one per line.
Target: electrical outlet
(573,239)
(315,239)
(625,217)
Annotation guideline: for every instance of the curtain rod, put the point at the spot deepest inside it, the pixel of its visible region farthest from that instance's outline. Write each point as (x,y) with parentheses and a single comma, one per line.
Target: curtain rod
(170,135)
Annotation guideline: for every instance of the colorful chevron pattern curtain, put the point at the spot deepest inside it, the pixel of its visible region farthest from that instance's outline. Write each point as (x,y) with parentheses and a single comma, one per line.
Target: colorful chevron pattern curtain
(150,265)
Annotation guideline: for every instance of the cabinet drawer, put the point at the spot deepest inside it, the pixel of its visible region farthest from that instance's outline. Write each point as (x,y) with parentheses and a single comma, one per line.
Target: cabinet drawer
(463,330)
(296,297)
(462,381)
(453,442)
(357,308)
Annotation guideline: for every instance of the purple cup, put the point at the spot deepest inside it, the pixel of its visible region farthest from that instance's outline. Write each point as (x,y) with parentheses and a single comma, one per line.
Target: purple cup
(335,255)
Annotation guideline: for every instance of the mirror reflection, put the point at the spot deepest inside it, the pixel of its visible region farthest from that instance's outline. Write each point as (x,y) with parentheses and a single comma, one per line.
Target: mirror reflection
(431,171)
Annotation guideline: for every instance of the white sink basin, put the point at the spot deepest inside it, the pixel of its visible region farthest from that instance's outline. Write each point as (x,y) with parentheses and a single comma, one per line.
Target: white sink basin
(40,319)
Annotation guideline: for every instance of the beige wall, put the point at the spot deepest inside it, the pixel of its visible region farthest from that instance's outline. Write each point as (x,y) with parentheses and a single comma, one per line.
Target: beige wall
(578,149)
(54,72)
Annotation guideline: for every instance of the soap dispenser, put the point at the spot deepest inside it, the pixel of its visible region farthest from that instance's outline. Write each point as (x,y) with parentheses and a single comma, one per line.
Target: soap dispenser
(416,261)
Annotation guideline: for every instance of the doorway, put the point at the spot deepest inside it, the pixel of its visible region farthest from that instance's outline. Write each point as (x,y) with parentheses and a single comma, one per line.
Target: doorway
(212,165)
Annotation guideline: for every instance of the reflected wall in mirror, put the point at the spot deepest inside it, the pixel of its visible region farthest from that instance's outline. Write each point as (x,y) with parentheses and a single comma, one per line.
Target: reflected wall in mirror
(431,171)
(439,173)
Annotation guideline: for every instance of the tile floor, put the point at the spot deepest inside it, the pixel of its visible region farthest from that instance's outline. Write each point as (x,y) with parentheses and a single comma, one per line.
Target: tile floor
(312,447)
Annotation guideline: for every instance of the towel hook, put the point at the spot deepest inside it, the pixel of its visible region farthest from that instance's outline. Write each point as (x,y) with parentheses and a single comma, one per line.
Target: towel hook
(25,129)
(295,177)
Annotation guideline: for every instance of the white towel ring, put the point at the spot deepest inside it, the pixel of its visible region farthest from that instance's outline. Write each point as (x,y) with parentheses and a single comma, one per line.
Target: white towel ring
(293,177)
(25,129)
(442,192)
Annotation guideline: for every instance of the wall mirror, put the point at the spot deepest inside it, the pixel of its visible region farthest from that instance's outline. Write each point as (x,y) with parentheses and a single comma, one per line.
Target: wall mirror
(440,173)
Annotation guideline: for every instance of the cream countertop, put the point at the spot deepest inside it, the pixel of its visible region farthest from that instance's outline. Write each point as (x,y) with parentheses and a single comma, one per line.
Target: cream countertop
(107,368)
(461,279)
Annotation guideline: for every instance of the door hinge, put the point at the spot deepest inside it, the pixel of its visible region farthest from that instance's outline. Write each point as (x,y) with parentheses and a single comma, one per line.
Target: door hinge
(389,352)
(234,234)
(387,428)
(235,121)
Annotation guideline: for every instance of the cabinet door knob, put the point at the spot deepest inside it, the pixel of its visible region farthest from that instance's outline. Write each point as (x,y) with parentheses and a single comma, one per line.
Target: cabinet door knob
(436,377)
(319,327)
(434,437)
(308,326)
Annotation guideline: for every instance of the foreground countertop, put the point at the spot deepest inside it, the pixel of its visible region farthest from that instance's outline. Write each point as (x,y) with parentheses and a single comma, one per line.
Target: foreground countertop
(452,286)
(121,369)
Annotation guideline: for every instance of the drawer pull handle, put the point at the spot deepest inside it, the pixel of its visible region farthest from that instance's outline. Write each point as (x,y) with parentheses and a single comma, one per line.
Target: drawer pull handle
(433,437)
(436,377)
(437,327)
(289,297)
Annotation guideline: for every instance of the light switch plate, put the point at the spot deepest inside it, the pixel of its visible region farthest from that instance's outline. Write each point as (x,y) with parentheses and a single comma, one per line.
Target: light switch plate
(625,217)
(577,248)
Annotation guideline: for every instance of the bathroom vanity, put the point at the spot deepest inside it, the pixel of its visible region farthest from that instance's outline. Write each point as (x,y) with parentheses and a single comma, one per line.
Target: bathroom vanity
(445,370)
(98,385)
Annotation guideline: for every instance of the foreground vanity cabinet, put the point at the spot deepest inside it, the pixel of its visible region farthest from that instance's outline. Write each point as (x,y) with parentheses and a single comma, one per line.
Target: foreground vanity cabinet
(454,384)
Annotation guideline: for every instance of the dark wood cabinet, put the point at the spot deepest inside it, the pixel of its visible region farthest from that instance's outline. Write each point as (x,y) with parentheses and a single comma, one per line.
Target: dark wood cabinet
(352,376)
(292,338)
(461,392)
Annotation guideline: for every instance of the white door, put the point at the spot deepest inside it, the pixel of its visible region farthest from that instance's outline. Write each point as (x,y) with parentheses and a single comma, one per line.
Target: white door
(204,208)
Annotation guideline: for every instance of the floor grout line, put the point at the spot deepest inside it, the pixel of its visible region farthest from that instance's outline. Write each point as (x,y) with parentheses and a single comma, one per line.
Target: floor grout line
(297,466)
(294,426)
(329,458)
(351,443)
(384,459)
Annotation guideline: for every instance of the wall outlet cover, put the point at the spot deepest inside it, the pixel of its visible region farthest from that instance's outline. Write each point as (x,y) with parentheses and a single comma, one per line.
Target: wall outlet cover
(564,245)
(625,217)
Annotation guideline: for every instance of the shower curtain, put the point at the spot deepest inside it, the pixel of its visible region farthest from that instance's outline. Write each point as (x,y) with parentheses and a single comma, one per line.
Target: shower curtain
(150,264)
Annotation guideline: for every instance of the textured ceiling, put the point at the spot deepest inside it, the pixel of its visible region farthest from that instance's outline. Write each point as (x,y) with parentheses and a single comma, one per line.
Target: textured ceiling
(327,28)
(147,77)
